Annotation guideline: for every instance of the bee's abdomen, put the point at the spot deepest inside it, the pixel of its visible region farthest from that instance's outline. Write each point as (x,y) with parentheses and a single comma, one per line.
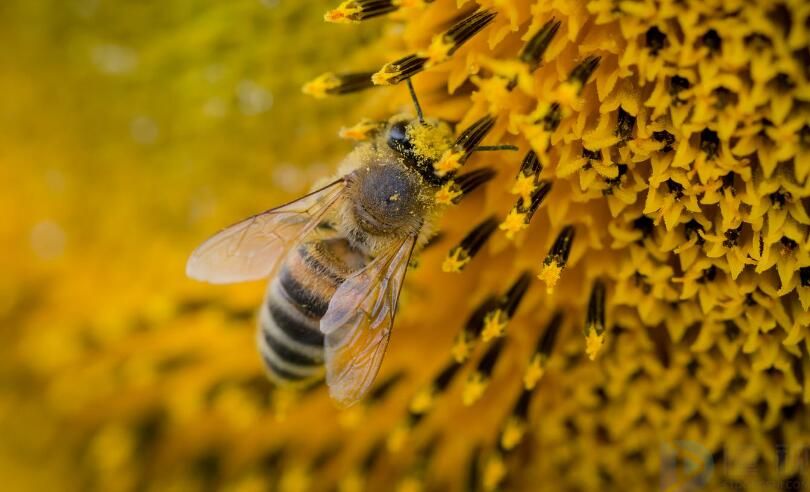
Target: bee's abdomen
(290,339)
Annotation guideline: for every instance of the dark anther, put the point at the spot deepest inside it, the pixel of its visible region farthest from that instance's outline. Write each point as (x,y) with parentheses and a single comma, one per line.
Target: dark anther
(531,165)
(666,137)
(475,323)
(472,135)
(552,118)
(561,248)
(758,41)
(592,155)
(712,40)
(383,388)
(475,240)
(656,40)
(732,236)
(779,198)
(532,52)
(460,32)
(511,300)
(732,330)
(675,188)
(645,225)
(545,344)
(617,181)
(708,275)
(677,84)
(582,72)
(693,228)
(595,319)
(782,82)
(788,244)
(804,136)
(405,68)
(709,143)
(724,97)
(804,276)
(625,124)
(468,182)
(445,377)
(490,357)
(780,15)
(537,197)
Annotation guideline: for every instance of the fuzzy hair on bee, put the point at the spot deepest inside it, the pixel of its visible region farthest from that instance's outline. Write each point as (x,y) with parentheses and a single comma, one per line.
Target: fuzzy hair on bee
(390,184)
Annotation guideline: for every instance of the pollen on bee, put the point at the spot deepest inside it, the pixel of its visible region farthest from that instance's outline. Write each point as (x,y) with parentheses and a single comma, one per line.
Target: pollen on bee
(360,10)
(335,84)
(556,259)
(444,45)
(595,321)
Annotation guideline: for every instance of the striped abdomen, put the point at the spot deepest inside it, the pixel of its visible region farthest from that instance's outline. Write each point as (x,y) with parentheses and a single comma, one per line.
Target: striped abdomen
(289,338)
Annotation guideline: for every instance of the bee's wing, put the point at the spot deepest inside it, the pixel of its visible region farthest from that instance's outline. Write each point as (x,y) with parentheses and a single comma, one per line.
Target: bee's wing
(251,249)
(358,323)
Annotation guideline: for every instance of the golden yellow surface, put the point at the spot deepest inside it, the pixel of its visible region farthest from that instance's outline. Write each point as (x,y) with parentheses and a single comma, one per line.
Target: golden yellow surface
(130,131)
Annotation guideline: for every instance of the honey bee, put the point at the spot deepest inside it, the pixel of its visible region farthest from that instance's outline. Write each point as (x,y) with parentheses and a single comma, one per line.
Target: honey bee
(337,257)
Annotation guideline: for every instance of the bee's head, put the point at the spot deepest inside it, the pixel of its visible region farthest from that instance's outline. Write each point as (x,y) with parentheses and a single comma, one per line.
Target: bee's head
(420,143)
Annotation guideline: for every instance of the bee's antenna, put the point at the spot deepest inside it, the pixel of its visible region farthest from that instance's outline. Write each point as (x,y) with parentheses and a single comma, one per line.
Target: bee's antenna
(482,148)
(415,101)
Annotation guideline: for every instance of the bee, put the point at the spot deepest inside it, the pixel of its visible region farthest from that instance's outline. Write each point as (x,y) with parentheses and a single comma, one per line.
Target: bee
(336,258)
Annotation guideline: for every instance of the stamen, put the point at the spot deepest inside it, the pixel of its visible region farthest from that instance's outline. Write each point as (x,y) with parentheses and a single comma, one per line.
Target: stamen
(360,10)
(521,214)
(364,130)
(595,321)
(336,84)
(453,191)
(532,52)
(556,258)
(444,45)
(545,344)
(384,387)
(516,425)
(495,322)
(468,182)
(399,70)
(472,329)
(478,380)
(572,88)
(528,177)
(455,157)
(459,256)
(494,471)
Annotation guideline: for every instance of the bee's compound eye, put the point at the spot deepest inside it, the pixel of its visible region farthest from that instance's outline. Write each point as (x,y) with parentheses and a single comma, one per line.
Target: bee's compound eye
(398,138)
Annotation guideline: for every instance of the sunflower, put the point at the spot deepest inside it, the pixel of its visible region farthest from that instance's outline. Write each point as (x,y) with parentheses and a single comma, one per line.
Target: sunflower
(621,303)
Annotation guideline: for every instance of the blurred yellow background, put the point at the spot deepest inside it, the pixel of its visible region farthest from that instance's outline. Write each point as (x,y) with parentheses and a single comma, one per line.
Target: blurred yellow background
(129,131)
